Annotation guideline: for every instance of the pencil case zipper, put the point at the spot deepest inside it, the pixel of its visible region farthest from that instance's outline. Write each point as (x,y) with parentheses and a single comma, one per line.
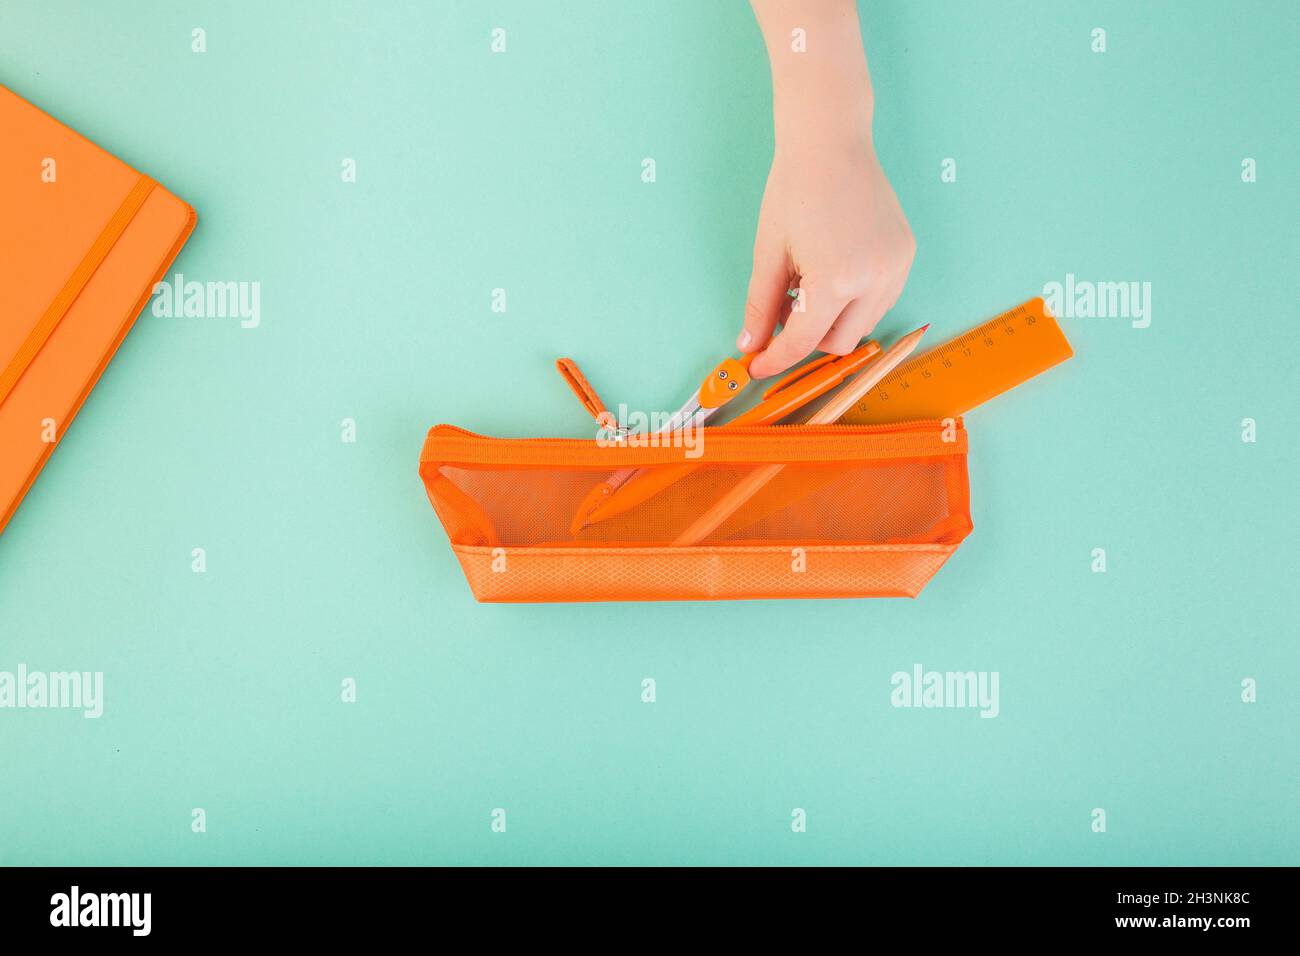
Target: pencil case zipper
(451,445)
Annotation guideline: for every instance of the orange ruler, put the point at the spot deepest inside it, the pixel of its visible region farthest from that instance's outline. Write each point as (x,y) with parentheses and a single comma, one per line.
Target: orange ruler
(953,378)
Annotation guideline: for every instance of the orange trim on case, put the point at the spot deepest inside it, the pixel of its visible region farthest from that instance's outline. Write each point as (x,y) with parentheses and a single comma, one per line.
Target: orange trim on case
(702,573)
(791,444)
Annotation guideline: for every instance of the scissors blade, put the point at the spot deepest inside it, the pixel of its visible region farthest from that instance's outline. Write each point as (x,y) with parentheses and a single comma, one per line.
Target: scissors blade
(689,413)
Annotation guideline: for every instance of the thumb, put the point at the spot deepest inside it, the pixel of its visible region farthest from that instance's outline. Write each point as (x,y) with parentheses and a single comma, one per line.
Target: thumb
(767,295)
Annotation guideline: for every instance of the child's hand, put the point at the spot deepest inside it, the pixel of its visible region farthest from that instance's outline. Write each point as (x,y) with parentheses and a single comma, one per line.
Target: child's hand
(830,223)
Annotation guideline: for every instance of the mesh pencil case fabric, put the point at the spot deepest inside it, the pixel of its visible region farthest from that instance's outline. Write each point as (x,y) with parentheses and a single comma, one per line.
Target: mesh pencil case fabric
(855,511)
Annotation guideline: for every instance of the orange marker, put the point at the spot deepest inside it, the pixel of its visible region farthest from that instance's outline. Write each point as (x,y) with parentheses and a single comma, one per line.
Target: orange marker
(791,393)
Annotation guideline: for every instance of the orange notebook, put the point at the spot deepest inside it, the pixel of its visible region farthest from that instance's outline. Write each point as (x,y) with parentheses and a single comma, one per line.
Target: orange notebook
(83,239)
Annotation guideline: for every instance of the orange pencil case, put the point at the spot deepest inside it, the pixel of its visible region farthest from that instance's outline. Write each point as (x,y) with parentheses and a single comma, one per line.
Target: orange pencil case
(856,511)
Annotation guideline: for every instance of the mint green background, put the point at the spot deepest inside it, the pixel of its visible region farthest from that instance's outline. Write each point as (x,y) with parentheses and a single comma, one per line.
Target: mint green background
(522,171)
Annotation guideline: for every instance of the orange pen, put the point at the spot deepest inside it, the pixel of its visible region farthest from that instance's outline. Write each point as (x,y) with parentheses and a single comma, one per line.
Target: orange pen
(791,393)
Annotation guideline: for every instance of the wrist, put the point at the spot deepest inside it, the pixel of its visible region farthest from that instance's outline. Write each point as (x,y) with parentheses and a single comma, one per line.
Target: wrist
(841,122)
(821,88)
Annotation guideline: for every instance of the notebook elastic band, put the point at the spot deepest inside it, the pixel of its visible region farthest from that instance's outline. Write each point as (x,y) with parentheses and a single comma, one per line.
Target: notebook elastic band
(58,308)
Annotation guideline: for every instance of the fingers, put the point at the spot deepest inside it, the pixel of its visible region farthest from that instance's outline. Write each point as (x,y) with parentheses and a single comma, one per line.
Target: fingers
(855,322)
(860,317)
(895,293)
(767,296)
(803,330)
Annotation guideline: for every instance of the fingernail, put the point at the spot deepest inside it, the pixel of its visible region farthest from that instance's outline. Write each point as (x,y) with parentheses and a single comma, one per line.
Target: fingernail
(742,343)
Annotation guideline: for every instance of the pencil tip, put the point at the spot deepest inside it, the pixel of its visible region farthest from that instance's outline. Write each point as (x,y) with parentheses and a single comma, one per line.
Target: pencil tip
(924,327)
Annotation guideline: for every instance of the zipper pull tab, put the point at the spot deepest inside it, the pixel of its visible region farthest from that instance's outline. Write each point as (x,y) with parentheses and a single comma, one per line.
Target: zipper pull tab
(571,374)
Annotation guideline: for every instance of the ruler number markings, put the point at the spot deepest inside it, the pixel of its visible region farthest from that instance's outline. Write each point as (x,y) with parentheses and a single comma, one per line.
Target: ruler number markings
(947,356)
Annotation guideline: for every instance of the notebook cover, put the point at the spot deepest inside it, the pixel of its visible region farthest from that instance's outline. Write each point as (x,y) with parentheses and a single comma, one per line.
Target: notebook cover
(83,239)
